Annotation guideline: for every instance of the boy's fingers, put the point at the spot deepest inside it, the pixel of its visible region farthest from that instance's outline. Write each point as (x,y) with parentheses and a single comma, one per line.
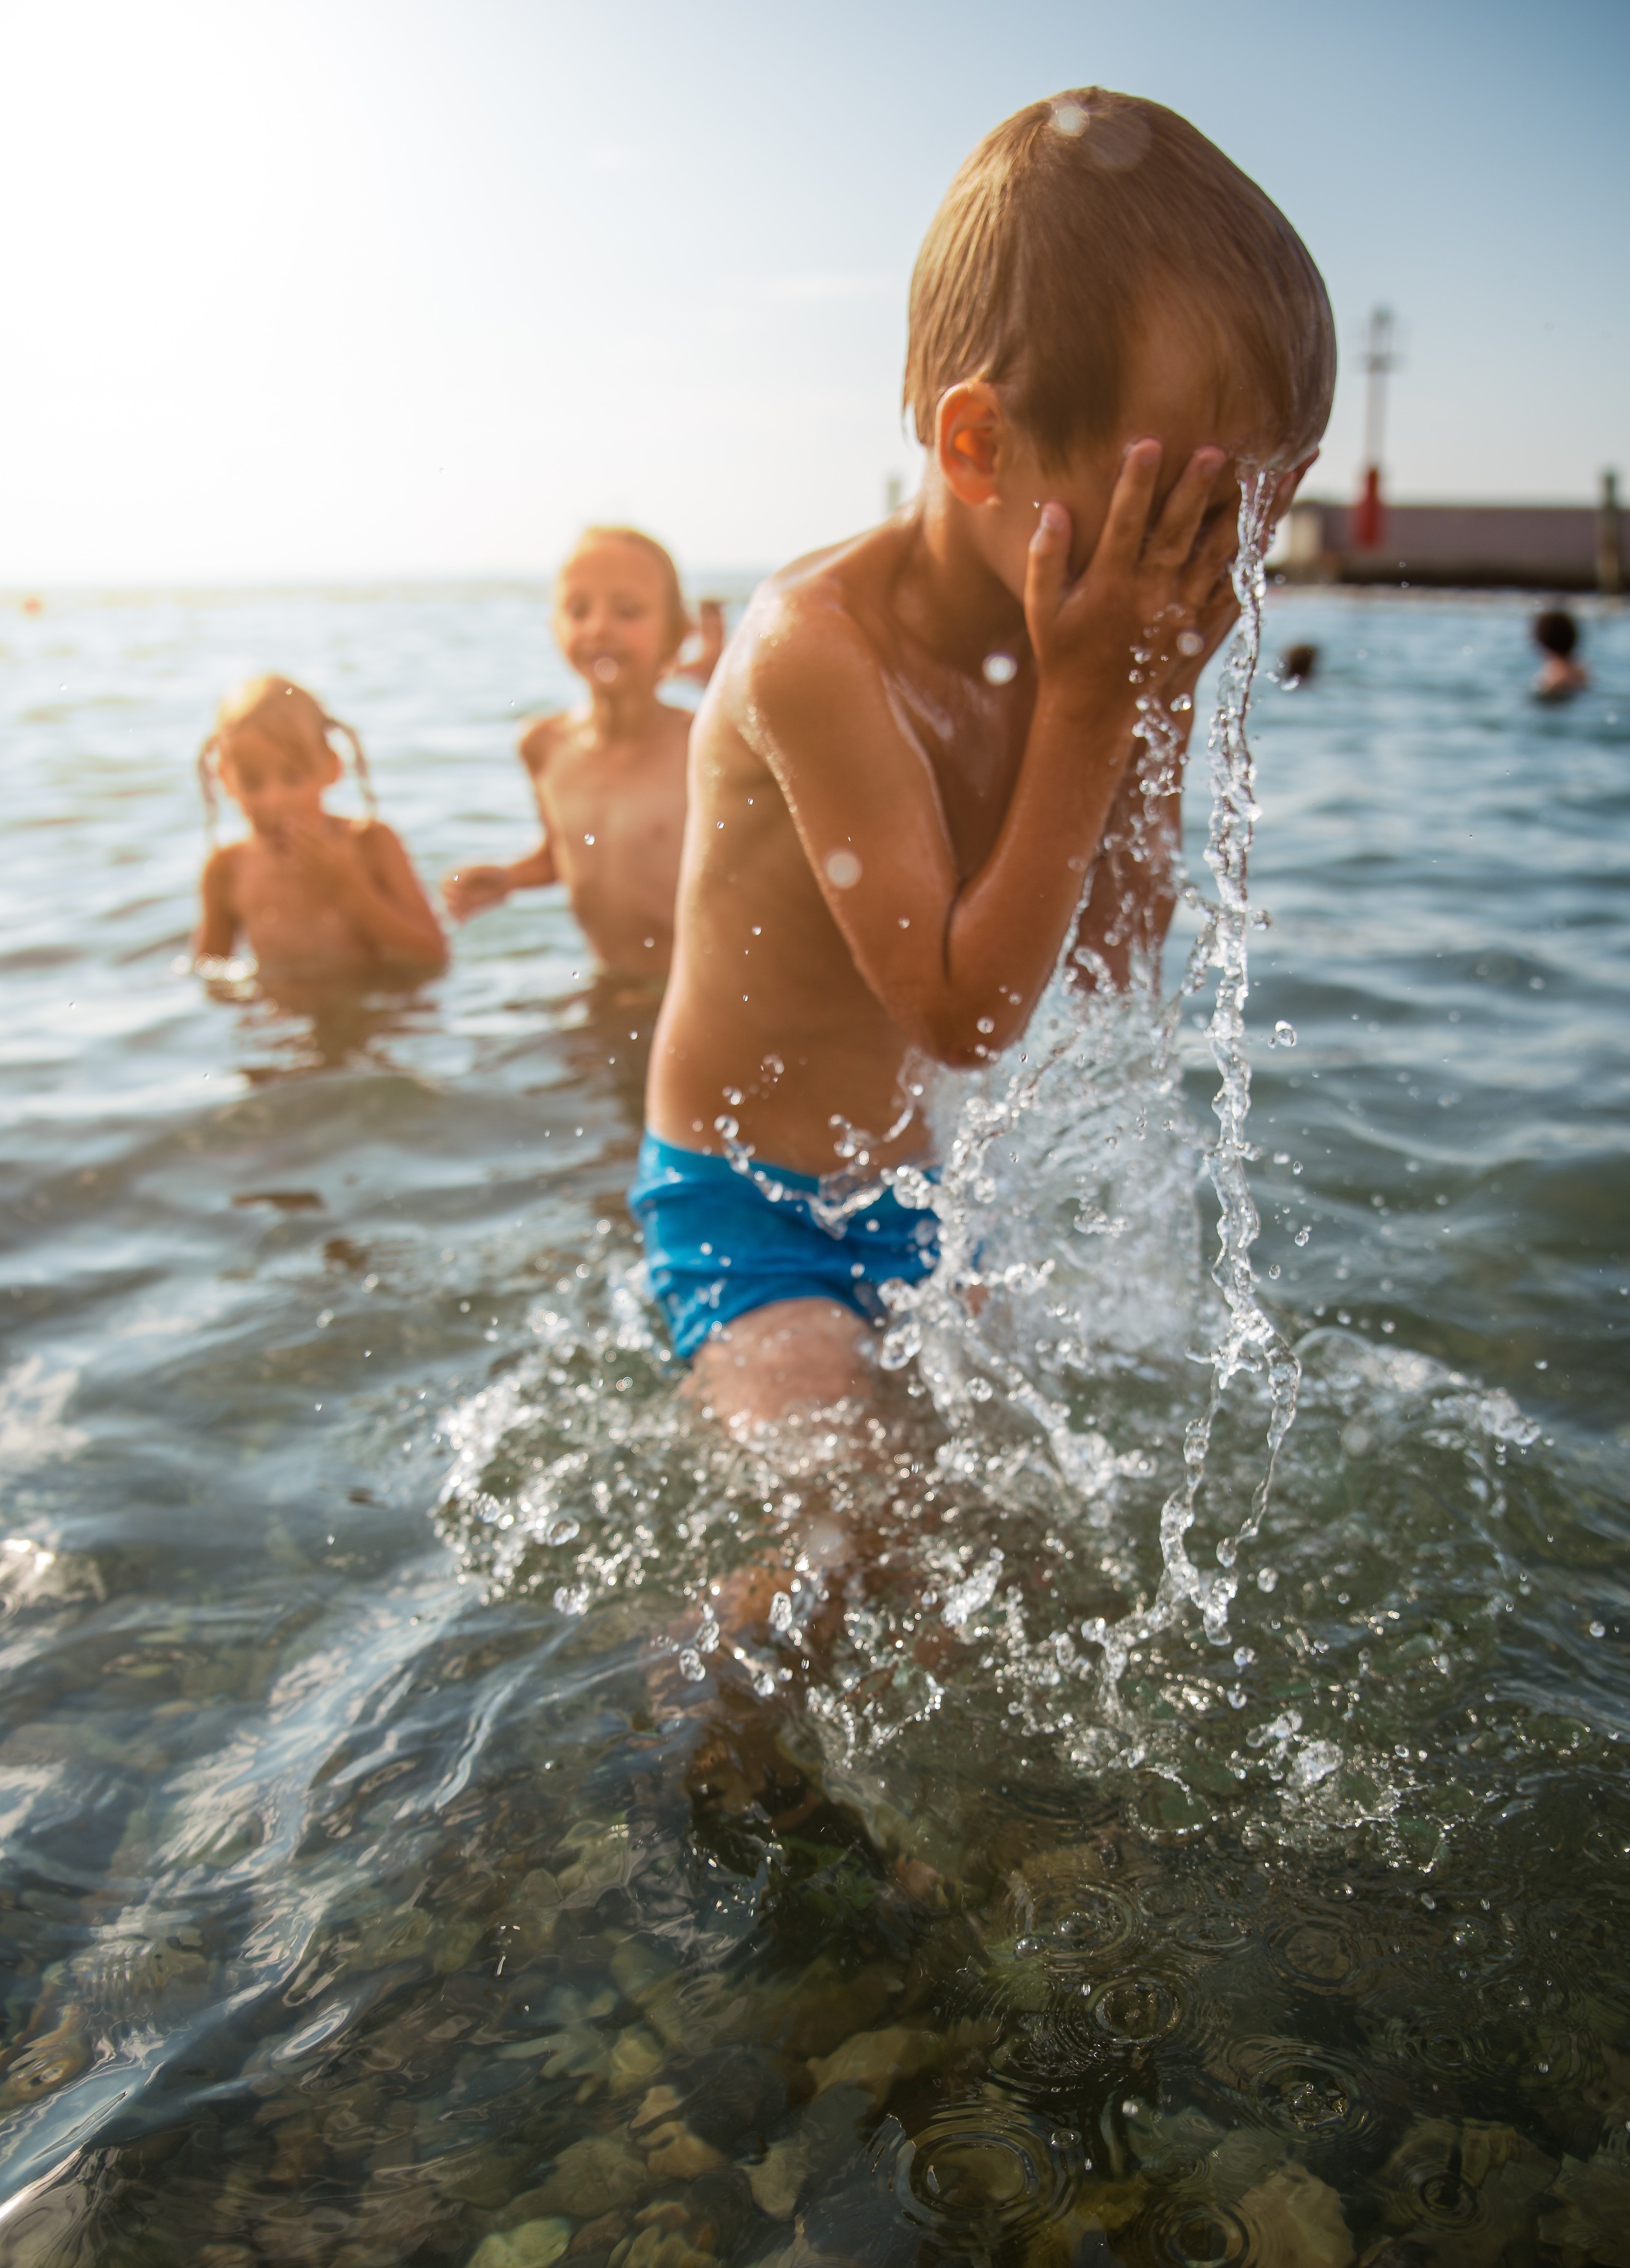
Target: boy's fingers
(1048,566)
(1172,539)
(1126,523)
(1211,559)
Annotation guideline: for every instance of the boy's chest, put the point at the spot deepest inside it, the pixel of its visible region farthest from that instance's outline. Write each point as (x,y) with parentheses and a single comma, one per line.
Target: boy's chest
(974,746)
(587,807)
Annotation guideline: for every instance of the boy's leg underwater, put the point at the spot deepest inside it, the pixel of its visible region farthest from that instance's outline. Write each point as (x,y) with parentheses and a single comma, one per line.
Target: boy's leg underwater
(793,1354)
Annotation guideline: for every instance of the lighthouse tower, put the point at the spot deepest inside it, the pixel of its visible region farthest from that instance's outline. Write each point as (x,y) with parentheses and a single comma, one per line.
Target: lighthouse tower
(1369,518)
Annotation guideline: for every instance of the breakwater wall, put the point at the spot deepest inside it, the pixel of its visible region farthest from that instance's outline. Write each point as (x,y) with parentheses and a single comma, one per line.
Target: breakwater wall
(1465,545)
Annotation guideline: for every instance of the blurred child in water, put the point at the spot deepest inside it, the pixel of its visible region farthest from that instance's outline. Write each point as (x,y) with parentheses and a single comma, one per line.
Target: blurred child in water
(609,775)
(305,889)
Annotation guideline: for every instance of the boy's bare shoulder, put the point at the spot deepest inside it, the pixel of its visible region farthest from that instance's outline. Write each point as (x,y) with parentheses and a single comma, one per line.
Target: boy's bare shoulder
(818,617)
(541,738)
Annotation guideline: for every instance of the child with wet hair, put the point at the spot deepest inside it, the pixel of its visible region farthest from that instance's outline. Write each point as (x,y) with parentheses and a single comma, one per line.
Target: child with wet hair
(609,775)
(304,888)
(937,754)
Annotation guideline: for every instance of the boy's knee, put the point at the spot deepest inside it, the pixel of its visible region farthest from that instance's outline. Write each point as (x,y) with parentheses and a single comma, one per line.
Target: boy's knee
(776,1358)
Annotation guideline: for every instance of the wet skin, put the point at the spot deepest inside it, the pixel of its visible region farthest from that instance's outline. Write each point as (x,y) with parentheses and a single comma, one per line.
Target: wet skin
(306,890)
(609,777)
(885,851)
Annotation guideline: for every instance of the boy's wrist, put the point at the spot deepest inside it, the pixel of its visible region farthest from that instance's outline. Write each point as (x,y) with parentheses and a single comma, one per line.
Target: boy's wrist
(1095,708)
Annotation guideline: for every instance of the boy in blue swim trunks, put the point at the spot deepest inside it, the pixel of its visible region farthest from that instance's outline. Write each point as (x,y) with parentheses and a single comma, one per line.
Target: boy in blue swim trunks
(918,753)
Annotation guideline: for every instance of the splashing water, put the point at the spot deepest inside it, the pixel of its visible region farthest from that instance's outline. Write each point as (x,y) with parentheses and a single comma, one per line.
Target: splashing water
(1069,1264)
(354,1915)
(1084,1042)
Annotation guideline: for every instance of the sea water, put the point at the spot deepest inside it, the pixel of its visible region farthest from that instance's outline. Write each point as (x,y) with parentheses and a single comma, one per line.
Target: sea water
(1098,1853)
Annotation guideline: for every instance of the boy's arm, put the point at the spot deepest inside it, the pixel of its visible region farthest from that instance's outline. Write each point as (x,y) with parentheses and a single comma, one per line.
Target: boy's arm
(472,889)
(1130,892)
(1133,891)
(475,890)
(469,890)
(958,963)
(218,931)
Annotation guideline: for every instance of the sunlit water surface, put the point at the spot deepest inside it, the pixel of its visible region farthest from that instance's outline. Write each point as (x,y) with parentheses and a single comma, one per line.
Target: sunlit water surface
(401,1862)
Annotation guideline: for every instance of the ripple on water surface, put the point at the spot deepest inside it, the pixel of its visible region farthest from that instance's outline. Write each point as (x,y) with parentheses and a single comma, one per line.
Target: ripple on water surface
(378,1884)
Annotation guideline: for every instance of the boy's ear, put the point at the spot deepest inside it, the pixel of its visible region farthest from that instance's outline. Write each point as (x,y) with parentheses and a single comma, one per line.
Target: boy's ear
(968,431)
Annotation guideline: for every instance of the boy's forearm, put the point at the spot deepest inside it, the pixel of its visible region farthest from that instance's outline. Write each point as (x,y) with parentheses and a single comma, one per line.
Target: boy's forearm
(533,871)
(1130,901)
(1007,926)
(1132,892)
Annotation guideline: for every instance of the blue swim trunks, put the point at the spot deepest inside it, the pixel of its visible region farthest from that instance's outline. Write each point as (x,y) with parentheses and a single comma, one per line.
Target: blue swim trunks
(719,1243)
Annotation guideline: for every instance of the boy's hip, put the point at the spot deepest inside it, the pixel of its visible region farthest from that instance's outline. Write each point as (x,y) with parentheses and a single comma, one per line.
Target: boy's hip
(722,1240)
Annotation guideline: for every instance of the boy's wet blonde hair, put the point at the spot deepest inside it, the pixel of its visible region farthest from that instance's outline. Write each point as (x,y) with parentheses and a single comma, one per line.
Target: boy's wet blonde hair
(287,714)
(678,615)
(1058,228)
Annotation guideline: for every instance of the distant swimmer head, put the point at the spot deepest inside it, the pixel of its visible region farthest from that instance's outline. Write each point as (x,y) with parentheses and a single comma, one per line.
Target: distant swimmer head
(619,614)
(273,751)
(1299,664)
(1556,632)
(1561,674)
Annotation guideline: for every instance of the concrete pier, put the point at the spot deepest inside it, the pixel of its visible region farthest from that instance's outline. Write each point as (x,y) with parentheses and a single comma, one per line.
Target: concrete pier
(1530,547)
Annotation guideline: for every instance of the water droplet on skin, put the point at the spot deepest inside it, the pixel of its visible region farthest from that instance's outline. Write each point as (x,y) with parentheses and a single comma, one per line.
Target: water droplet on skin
(999,668)
(843,869)
(1183,704)
(1190,643)
(987,1023)
(588,839)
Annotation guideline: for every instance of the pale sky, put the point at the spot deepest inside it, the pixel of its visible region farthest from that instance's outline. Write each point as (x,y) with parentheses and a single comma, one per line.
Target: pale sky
(306,287)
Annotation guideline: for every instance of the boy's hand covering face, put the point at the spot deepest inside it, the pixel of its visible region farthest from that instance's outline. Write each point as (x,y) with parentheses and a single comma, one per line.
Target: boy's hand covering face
(1152,576)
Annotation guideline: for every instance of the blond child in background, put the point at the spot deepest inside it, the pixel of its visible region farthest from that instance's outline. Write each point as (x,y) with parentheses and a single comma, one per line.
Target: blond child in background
(609,775)
(304,888)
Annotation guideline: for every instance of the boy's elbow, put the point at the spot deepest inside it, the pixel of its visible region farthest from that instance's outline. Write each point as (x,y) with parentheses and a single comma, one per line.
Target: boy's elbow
(959,1039)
